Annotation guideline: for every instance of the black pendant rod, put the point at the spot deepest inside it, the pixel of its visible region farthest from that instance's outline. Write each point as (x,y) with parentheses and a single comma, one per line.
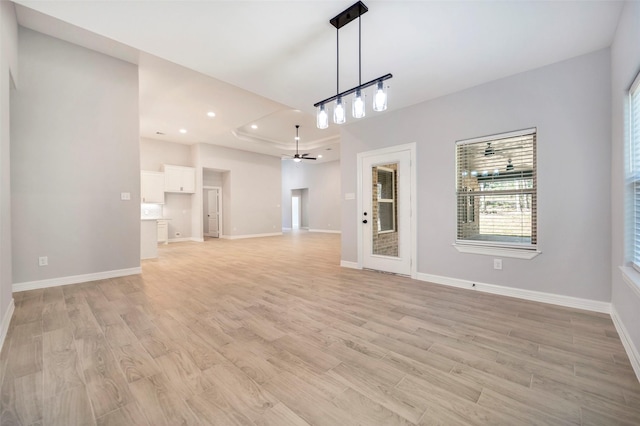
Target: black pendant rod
(337,60)
(348,92)
(359,50)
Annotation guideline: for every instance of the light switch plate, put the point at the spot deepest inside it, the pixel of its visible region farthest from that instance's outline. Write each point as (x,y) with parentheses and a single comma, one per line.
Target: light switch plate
(125,196)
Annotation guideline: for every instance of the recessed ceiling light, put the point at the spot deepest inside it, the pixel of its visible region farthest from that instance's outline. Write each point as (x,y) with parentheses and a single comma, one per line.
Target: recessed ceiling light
(254,126)
(211,114)
(183,131)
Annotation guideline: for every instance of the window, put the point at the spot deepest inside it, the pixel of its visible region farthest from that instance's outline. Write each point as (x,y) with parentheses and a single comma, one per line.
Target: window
(496,190)
(386,200)
(633,175)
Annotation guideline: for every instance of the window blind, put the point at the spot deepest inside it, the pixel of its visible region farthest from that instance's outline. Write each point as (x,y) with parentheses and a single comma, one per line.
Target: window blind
(496,190)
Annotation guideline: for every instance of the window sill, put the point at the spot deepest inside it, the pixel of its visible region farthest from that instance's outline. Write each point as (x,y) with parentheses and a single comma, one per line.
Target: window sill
(497,251)
(631,277)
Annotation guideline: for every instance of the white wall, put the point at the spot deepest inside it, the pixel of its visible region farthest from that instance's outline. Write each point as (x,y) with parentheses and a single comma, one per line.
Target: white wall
(154,153)
(251,190)
(74,150)
(177,207)
(625,65)
(323,182)
(8,71)
(569,103)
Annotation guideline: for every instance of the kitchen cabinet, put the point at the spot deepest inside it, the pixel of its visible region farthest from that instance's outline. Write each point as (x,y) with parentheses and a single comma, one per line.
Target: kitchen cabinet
(163,231)
(179,179)
(152,187)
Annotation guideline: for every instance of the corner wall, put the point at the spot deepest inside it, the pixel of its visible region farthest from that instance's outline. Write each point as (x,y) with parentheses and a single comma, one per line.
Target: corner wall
(569,103)
(323,182)
(8,74)
(625,298)
(251,189)
(74,150)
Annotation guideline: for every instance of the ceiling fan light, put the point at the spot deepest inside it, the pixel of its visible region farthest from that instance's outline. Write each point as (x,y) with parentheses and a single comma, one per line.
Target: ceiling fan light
(380,98)
(339,116)
(357,106)
(297,159)
(509,166)
(322,118)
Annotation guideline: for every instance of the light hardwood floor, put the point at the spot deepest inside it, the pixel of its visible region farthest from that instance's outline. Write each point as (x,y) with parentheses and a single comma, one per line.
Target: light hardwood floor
(273,331)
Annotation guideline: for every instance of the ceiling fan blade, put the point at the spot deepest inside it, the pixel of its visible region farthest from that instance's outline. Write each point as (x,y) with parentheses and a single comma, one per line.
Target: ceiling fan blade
(309,158)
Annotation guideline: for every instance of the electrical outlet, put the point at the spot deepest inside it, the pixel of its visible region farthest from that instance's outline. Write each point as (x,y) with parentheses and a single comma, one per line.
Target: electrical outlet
(43,261)
(497,263)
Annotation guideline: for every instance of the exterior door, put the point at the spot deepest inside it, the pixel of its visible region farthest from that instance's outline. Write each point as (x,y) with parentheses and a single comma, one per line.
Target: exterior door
(387,241)
(213,212)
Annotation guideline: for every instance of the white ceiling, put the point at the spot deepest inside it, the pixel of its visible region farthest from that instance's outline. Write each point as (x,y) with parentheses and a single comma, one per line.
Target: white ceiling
(267,62)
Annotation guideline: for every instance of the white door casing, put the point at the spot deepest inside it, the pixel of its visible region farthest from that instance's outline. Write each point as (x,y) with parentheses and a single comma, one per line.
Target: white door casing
(403,262)
(213,212)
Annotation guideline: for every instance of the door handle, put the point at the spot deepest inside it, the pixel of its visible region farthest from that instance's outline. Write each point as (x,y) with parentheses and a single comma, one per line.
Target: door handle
(364,221)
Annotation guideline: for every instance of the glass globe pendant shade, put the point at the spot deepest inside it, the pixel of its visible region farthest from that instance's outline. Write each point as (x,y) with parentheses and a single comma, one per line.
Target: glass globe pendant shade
(322,119)
(380,97)
(339,116)
(358,106)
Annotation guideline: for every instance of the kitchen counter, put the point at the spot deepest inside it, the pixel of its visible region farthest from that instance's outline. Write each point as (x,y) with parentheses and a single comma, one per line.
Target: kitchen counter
(149,238)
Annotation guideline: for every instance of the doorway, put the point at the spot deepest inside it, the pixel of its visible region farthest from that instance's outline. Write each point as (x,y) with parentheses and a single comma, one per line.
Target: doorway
(386,204)
(300,208)
(296,212)
(212,219)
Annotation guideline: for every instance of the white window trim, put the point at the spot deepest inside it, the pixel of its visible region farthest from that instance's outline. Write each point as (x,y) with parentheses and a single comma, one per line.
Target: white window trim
(631,176)
(498,248)
(516,253)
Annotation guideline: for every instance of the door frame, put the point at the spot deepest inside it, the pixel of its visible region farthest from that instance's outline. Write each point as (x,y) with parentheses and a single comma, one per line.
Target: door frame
(205,189)
(411,147)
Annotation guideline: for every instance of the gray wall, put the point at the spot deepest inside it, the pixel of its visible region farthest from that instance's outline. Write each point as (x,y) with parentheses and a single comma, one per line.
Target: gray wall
(625,64)
(569,103)
(8,70)
(251,188)
(323,182)
(74,149)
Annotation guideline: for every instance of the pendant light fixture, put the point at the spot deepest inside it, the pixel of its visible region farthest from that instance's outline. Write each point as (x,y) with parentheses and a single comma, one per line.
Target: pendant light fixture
(358,102)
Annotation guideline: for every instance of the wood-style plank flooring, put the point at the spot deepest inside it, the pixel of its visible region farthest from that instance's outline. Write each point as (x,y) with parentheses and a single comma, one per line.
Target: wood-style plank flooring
(271,331)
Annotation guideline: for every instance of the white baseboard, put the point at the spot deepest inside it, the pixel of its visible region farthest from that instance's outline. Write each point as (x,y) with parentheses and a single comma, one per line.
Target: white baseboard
(183,239)
(536,296)
(75,279)
(629,347)
(326,231)
(239,237)
(6,320)
(351,265)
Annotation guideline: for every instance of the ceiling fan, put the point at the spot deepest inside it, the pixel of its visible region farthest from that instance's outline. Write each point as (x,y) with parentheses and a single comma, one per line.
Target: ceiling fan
(489,150)
(299,157)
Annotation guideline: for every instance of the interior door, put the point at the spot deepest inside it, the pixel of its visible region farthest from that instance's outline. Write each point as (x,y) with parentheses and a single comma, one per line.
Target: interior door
(386,239)
(213,213)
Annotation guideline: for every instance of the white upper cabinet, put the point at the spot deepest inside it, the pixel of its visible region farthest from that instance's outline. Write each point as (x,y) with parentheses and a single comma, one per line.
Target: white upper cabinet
(179,179)
(152,187)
